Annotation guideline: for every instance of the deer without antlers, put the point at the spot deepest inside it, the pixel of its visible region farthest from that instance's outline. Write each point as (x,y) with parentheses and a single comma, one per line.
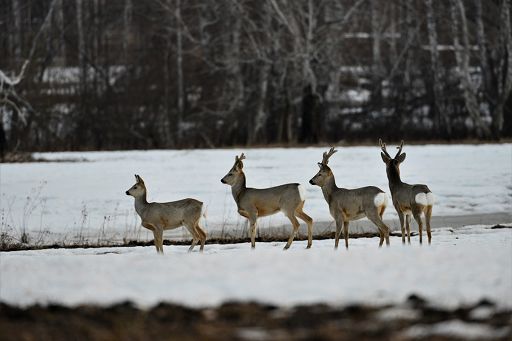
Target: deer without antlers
(346,205)
(253,203)
(408,199)
(158,217)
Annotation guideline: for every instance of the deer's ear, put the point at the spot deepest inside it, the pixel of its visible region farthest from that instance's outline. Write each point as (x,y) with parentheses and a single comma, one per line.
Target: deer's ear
(136,178)
(401,158)
(239,166)
(319,165)
(384,157)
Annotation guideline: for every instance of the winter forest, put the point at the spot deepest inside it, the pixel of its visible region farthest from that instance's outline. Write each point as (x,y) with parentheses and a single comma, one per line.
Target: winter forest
(98,74)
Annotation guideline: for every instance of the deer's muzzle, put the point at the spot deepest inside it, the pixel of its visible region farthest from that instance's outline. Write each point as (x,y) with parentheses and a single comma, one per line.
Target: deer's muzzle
(127,193)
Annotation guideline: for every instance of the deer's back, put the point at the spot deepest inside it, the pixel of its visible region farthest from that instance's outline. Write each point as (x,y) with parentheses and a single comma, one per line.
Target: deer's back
(272,199)
(173,213)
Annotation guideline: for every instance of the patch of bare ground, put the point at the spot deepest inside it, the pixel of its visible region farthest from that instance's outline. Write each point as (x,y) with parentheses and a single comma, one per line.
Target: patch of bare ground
(9,244)
(415,319)
(23,157)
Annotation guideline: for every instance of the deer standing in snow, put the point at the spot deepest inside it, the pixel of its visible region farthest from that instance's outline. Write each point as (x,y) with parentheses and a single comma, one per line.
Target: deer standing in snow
(408,199)
(346,205)
(158,217)
(253,203)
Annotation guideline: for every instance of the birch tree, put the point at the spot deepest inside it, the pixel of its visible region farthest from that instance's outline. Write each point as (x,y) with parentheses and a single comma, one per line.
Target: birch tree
(462,57)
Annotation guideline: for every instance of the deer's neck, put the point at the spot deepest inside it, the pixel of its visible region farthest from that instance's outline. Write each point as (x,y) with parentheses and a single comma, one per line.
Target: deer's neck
(140,204)
(393,177)
(238,188)
(328,188)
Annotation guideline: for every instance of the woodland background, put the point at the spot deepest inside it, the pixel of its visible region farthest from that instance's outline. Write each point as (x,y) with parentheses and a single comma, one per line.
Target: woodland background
(126,74)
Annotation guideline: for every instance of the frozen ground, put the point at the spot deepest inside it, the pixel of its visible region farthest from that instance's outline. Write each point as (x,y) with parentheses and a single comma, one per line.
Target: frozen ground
(76,201)
(461,267)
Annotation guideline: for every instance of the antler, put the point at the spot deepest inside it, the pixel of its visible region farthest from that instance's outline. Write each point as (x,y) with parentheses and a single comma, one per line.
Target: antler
(326,156)
(383,147)
(238,159)
(399,148)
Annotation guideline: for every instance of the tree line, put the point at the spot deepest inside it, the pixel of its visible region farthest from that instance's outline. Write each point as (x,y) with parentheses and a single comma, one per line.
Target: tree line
(98,74)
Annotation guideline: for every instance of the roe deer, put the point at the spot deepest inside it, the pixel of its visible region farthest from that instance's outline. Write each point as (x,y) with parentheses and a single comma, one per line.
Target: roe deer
(407,199)
(253,203)
(346,205)
(158,217)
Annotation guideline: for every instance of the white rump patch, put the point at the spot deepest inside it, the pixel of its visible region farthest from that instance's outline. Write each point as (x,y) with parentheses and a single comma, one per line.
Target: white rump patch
(430,199)
(302,193)
(380,199)
(421,198)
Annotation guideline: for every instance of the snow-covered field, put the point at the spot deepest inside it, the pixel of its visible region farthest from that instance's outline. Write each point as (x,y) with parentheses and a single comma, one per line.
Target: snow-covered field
(71,201)
(461,267)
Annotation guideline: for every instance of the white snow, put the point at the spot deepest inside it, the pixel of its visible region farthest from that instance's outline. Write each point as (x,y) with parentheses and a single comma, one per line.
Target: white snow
(74,200)
(461,267)
(456,329)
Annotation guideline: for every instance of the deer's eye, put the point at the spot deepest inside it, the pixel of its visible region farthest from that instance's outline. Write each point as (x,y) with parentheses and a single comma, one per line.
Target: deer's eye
(230,174)
(134,187)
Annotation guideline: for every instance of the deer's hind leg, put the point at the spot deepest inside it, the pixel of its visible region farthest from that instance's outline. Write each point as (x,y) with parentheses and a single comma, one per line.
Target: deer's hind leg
(295,226)
(308,220)
(201,234)
(428,216)
(195,237)
(417,216)
(374,217)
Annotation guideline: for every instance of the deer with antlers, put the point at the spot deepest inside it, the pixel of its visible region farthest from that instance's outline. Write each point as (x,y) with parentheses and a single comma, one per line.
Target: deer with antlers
(346,205)
(253,203)
(158,217)
(408,200)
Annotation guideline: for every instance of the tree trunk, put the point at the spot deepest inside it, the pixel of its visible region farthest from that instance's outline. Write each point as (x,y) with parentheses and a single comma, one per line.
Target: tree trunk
(81,46)
(59,6)
(462,57)
(17,37)
(376,54)
(437,85)
(179,69)
(504,74)
(257,132)
(127,20)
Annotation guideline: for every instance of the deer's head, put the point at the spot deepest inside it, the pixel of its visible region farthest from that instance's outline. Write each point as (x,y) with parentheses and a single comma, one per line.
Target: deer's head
(235,172)
(137,190)
(392,164)
(325,172)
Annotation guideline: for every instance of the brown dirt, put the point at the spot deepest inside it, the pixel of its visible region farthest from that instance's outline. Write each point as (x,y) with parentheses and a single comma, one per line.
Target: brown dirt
(232,321)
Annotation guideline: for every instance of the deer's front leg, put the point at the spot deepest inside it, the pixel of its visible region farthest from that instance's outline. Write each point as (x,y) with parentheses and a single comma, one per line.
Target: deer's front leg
(345,232)
(252,216)
(401,216)
(158,233)
(408,227)
(339,226)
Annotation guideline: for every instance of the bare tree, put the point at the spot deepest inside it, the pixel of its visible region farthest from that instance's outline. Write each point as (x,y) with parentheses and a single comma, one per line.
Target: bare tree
(462,56)
(437,84)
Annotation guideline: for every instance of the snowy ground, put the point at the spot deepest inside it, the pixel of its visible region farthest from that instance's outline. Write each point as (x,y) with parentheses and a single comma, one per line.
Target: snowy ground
(461,267)
(76,201)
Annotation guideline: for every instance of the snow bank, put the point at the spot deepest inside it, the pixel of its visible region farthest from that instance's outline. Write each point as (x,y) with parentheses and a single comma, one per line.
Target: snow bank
(460,267)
